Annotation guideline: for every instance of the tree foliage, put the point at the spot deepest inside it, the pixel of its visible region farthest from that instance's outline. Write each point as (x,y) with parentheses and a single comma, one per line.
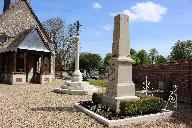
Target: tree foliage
(63,40)
(134,56)
(143,57)
(106,60)
(153,53)
(161,60)
(90,61)
(182,50)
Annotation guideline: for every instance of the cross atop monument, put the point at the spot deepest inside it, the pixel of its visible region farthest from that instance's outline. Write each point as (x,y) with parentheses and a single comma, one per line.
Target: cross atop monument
(78,25)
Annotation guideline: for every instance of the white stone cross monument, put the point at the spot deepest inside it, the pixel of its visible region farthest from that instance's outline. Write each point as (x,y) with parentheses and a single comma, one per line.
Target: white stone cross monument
(77,75)
(77,86)
(121,86)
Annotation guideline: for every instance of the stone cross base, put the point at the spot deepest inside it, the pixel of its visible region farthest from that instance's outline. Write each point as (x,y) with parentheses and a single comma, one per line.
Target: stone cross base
(77,76)
(76,88)
(114,102)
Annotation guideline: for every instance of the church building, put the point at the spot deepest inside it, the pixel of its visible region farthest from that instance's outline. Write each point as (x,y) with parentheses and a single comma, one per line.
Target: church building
(26,52)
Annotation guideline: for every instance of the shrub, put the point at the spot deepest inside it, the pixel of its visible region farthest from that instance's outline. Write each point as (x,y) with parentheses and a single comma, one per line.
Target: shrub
(101,83)
(146,105)
(96,97)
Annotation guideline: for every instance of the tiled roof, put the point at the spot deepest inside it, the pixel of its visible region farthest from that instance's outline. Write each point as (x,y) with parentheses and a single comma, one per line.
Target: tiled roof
(30,40)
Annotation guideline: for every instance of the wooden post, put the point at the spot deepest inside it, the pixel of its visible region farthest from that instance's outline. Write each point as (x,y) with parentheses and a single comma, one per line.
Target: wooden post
(14,61)
(50,64)
(42,64)
(25,54)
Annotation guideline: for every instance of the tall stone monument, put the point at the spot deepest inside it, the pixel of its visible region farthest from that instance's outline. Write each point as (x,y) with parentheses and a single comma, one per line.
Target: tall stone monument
(77,86)
(121,86)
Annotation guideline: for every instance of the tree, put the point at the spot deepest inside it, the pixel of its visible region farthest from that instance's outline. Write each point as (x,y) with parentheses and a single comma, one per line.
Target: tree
(90,61)
(161,60)
(106,60)
(134,56)
(153,53)
(182,50)
(63,40)
(143,57)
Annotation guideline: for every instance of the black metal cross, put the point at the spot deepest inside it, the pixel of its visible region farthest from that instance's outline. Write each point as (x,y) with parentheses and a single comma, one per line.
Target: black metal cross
(78,25)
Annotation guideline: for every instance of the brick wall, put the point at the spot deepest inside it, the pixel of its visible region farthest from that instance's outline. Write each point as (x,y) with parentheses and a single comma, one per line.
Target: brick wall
(179,73)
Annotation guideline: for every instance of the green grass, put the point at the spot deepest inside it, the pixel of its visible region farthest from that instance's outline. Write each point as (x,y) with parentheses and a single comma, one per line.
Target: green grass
(100,83)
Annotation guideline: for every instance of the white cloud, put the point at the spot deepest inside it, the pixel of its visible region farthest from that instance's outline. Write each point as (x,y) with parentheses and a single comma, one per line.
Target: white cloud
(97,6)
(113,14)
(107,28)
(145,11)
(97,33)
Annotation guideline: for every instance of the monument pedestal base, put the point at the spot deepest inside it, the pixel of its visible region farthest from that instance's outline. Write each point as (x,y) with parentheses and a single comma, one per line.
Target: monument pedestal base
(114,102)
(119,92)
(77,76)
(76,88)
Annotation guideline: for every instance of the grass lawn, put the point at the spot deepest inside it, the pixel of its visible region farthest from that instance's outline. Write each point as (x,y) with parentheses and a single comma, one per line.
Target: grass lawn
(100,83)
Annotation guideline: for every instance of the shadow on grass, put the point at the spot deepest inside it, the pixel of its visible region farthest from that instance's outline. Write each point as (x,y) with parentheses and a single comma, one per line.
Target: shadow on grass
(55,109)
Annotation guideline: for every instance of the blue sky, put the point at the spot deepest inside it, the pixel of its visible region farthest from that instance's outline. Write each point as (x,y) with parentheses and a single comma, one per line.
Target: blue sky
(153,24)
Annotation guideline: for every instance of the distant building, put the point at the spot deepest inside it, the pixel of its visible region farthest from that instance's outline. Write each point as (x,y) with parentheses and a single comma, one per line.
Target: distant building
(25,49)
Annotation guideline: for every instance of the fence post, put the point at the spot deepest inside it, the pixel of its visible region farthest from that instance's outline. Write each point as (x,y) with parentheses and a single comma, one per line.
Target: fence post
(190,88)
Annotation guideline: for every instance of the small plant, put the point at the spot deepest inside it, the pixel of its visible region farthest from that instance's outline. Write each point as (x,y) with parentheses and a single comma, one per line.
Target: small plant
(101,83)
(99,109)
(146,105)
(96,97)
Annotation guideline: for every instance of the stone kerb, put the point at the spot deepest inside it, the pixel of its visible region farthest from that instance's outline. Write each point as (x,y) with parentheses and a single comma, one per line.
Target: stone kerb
(165,114)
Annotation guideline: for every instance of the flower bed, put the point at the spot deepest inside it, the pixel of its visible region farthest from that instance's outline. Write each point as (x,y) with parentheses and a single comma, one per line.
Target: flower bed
(146,105)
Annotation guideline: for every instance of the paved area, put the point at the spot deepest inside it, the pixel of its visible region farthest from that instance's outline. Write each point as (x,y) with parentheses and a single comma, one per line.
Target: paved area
(35,106)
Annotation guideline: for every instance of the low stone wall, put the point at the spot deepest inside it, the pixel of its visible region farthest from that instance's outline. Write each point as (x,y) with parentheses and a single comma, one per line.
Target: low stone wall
(46,79)
(179,73)
(18,79)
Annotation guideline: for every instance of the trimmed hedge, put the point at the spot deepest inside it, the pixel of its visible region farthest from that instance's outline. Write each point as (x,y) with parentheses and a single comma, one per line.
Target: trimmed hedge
(146,105)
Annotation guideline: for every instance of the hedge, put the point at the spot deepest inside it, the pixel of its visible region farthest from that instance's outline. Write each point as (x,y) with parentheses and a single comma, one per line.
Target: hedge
(146,105)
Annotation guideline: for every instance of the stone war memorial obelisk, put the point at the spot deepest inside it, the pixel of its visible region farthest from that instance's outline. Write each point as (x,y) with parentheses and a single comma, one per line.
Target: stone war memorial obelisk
(121,86)
(76,86)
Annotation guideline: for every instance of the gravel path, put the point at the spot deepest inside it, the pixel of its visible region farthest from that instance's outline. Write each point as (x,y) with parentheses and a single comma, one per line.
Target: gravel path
(36,106)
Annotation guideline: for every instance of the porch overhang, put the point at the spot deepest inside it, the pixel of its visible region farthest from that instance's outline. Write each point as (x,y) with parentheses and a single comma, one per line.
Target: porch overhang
(29,40)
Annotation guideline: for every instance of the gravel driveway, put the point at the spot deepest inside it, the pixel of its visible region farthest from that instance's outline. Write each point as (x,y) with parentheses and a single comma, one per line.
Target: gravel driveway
(35,106)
